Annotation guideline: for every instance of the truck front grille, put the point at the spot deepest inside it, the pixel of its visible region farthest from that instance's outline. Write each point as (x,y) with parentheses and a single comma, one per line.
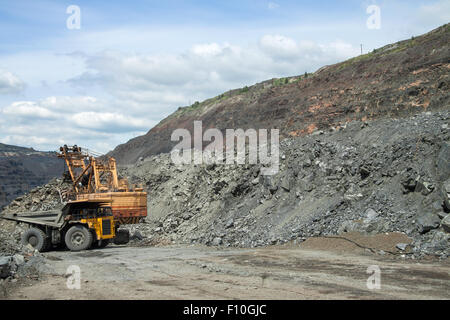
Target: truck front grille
(106,227)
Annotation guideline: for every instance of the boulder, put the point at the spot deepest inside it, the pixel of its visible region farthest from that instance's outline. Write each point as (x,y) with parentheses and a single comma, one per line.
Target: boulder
(427,221)
(370,215)
(217,241)
(229,224)
(439,241)
(424,187)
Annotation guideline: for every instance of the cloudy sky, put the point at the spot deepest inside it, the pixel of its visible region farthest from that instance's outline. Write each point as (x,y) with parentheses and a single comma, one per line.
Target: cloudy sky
(132,63)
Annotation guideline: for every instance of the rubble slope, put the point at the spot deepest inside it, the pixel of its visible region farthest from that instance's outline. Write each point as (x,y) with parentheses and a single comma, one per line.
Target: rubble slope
(372,177)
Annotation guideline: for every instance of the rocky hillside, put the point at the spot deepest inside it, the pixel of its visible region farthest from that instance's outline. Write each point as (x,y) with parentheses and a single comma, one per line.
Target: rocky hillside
(22,169)
(397,80)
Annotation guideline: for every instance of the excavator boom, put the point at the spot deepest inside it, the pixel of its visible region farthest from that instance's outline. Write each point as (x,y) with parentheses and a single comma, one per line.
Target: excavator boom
(95,178)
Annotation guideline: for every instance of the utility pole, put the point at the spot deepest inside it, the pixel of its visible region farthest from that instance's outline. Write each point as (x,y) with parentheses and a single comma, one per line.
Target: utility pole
(361,49)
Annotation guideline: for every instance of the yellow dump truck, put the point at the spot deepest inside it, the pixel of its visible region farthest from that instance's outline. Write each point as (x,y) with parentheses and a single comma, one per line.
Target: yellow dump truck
(79,225)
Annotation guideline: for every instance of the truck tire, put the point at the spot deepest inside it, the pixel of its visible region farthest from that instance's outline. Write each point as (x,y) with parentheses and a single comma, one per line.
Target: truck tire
(36,238)
(78,238)
(122,237)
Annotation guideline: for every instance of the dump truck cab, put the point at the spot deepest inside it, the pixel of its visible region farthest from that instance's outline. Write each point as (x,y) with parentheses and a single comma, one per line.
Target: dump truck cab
(97,216)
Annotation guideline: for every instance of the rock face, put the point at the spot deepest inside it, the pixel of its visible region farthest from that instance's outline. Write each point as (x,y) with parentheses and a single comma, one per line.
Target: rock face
(394,81)
(22,169)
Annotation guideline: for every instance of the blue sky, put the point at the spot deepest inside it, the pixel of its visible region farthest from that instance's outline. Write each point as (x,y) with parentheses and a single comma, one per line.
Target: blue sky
(132,63)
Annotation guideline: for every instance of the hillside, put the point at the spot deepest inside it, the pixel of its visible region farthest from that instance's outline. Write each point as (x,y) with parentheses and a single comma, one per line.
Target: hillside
(397,80)
(22,169)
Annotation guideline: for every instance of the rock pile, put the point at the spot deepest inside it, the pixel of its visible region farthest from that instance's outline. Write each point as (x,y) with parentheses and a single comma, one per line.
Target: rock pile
(371,177)
(16,261)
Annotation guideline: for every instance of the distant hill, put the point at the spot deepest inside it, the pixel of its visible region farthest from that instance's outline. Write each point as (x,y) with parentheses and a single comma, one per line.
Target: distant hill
(397,80)
(10,148)
(22,169)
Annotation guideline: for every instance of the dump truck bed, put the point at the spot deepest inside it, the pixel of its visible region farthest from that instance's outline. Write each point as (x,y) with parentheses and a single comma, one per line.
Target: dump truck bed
(46,218)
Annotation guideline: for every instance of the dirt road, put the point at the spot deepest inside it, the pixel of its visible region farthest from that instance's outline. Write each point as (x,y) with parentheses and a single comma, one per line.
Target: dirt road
(206,273)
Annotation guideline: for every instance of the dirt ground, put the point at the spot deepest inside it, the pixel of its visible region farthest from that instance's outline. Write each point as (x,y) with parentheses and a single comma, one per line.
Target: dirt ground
(197,272)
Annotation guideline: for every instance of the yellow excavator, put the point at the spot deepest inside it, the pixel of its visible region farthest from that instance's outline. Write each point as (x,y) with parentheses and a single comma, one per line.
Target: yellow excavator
(96,178)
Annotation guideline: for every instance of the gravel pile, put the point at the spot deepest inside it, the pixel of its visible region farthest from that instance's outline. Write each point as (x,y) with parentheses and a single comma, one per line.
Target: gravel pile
(388,175)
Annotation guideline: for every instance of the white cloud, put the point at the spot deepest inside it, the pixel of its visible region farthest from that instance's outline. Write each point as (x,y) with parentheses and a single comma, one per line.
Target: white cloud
(207,50)
(69,104)
(108,122)
(27,109)
(153,82)
(47,123)
(10,83)
(279,46)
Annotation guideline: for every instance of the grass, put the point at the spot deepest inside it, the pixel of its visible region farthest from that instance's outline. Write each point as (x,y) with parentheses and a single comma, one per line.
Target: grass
(280,82)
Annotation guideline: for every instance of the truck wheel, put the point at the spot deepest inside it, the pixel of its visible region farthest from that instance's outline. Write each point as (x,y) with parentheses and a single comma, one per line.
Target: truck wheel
(122,237)
(37,238)
(78,238)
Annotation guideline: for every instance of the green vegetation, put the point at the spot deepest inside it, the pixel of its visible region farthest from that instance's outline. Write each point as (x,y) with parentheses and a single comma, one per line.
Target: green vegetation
(349,62)
(280,82)
(401,46)
(244,89)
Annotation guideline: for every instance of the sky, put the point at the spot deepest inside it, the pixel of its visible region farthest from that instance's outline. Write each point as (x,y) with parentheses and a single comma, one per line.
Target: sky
(98,73)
